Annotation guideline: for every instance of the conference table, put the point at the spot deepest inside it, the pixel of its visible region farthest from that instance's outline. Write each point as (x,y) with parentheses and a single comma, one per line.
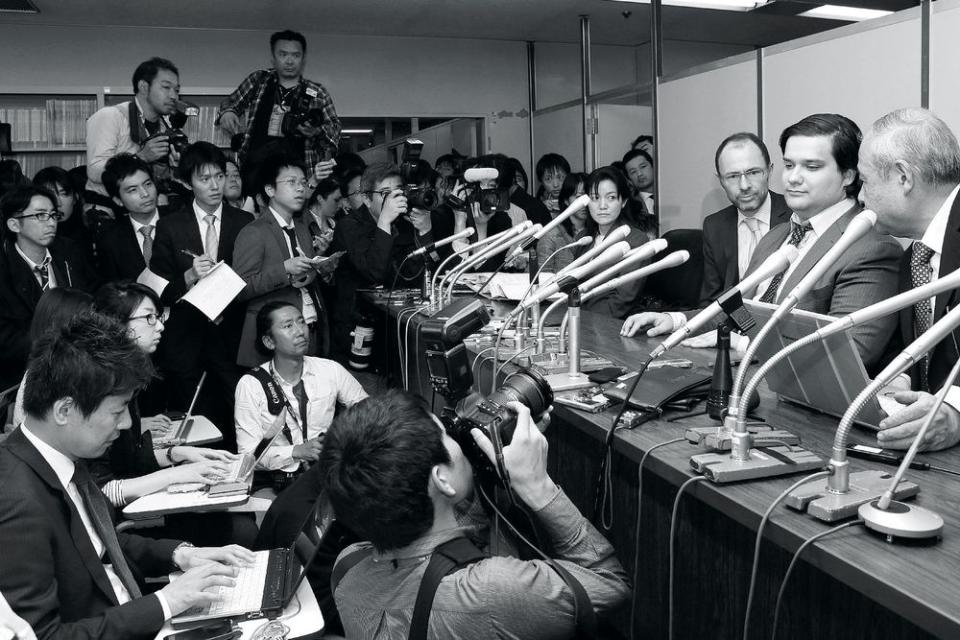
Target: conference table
(850,584)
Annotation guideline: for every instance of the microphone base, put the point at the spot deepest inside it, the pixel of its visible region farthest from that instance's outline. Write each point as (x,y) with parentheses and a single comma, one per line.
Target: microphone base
(767,463)
(566,381)
(823,504)
(901,521)
(719,438)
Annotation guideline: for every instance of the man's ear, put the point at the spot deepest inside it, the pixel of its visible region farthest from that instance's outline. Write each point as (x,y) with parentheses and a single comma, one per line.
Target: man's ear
(268,342)
(62,410)
(143,86)
(270,191)
(118,201)
(440,480)
(13,225)
(905,175)
(849,176)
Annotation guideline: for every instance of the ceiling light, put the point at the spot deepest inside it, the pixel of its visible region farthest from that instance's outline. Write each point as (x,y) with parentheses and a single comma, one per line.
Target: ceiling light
(729,5)
(356,131)
(850,14)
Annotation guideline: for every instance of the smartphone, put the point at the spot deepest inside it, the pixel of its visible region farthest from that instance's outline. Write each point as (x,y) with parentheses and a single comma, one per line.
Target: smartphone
(219,630)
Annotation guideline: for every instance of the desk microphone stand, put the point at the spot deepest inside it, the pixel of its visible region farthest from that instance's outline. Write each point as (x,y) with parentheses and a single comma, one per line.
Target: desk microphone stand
(573,378)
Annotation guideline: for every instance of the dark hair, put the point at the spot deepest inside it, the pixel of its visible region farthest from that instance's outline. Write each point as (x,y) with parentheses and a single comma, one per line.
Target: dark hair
(15,201)
(148,71)
(346,178)
(287,34)
(498,161)
(270,169)
(741,138)
(198,155)
(846,138)
(623,191)
(56,176)
(324,188)
(11,175)
(56,308)
(117,300)
(88,360)
(347,162)
(551,162)
(567,190)
(518,170)
(376,173)
(641,139)
(447,158)
(119,167)
(377,459)
(636,153)
(265,323)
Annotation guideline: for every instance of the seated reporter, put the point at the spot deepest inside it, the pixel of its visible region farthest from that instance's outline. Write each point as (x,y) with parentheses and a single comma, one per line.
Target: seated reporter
(64,569)
(292,392)
(396,478)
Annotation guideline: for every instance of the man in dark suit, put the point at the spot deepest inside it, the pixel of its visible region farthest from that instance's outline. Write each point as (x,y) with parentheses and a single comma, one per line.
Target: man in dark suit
(731,235)
(274,256)
(910,163)
(189,243)
(821,180)
(64,568)
(32,260)
(125,246)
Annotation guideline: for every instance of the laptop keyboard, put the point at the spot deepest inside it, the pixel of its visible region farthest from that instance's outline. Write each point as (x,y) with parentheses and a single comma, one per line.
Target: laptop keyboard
(239,469)
(257,587)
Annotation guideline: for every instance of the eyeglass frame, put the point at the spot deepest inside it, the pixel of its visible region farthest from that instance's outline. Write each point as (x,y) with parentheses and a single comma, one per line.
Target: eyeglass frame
(43,216)
(734,177)
(163,316)
(294,183)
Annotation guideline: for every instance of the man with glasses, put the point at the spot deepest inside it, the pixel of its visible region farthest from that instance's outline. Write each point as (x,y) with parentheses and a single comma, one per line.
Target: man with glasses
(275,257)
(730,235)
(32,260)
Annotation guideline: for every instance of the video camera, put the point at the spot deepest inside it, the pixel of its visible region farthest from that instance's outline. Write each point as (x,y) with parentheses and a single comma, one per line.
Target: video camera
(419,196)
(301,113)
(490,200)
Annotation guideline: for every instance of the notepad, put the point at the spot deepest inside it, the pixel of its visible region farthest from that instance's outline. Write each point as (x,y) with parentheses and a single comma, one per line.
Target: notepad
(152,280)
(215,291)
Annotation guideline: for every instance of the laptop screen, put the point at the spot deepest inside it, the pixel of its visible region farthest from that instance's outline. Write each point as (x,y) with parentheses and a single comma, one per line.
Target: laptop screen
(307,542)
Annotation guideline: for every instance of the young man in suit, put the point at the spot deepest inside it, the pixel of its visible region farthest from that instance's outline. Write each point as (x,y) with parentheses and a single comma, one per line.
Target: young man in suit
(189,243)
(821,181)
(910,164)
(64,568)
(32,260)
(731,235)
(125,246)
(274,256)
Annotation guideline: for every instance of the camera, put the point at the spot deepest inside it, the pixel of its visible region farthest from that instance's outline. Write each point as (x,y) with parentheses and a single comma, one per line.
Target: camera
(420,194)
(176,138)
(420,197)
(490,415)
(301,113)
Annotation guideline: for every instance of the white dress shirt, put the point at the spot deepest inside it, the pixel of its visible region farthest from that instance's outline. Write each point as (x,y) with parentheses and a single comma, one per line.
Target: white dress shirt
(201,214)
(309,309)
(137,226)
(745,244)
(51,275)
(325,382)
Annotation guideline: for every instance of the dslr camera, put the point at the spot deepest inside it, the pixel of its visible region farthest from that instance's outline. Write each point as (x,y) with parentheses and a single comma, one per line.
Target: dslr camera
(301,113)
(419,194)
(175,136)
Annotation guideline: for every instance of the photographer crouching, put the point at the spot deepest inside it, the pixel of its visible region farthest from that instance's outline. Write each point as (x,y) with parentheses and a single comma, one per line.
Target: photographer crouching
(405,481)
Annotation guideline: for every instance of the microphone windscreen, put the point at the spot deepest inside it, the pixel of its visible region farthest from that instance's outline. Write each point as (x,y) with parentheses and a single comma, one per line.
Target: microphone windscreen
(480,175)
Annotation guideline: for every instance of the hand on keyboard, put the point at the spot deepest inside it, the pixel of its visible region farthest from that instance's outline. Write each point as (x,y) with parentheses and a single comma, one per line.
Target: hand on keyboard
(200,454)
(206,472)
(198,586)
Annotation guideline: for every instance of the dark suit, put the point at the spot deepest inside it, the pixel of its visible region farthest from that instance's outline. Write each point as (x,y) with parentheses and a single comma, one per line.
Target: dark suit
(191,342)
(945,354)
(19,293)
(620,302)
(721,247)
(118,251)
(864,274)
(49,571)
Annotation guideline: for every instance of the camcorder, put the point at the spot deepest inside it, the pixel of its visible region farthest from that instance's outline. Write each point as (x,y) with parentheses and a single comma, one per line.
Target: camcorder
(301,113)
(419,194)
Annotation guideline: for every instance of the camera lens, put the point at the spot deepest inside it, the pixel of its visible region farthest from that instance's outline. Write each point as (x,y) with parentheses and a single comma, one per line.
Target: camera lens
(527,387)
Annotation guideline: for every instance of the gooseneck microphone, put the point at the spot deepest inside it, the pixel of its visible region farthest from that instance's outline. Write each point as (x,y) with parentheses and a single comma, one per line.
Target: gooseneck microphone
(466,233)
(571,209)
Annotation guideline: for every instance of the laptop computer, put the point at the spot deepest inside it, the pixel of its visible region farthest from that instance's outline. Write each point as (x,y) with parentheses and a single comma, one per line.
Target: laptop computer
(825,376)
(265,589)
(179,434)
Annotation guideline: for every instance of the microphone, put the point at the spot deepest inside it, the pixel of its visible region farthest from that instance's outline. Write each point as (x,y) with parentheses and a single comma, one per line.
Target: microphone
(466,233)
(571,209)
(615,236)
(644,252)
(780,260)
(582,242)
(573,277)
(480,174)
(486,242)
(520,232)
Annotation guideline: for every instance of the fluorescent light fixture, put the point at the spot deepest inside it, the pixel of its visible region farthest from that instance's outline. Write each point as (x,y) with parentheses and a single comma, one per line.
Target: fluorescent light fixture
(851,14)
(728,5)
(356,131)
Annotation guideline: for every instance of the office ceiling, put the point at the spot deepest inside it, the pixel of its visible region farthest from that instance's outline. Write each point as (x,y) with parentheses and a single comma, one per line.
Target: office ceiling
(612,23)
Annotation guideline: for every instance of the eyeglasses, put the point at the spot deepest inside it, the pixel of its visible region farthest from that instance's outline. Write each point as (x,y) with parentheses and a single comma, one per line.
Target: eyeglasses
(43,216)
(294,182)
(752,175)
(383,193)
(152,318)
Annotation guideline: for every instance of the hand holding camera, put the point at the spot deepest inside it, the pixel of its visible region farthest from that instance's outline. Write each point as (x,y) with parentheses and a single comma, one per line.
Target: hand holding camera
(155,148)
(394,206)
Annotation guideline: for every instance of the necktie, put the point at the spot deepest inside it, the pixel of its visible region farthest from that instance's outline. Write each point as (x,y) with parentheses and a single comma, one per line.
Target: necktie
(147,232)
(301,395)
(96,505)
(211,241)
(753,226)
(292,236)
(797,231)
(921,272)
(43,274)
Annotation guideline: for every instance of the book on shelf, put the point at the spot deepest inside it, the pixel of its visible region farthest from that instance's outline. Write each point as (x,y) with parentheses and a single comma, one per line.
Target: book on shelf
(60,123)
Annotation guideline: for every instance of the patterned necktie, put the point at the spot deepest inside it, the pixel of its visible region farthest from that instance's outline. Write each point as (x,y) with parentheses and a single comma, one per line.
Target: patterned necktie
(43,275)
(97,510)
(301,394)
(292,236)
(147,232)
(211,240)
(921,272)
(753,226)
(797,232)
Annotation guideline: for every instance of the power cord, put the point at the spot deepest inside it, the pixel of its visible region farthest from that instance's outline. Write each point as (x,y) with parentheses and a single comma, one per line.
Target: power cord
(756,546)
(673,537)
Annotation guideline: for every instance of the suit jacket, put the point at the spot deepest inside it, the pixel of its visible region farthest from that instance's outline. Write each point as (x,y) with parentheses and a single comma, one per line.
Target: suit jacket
(20,292)
(945,354)
(864,274)
(721,247)
(258,257)
(620,302)
(49,571)
(118,251)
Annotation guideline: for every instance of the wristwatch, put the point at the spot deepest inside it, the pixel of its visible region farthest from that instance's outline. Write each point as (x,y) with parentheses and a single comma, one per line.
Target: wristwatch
(173,558)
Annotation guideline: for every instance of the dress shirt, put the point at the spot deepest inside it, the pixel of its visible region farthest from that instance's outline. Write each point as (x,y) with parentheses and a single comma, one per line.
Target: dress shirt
(137,226)
(309,309)
(498,597)
(647,198)
(51,274)
(325,382)
(201,214)
(744,235)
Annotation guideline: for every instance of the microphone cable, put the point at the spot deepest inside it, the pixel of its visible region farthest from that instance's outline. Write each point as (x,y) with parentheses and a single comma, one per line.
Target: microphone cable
(386,321)
(673,537)
(793,561)
(756,546)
